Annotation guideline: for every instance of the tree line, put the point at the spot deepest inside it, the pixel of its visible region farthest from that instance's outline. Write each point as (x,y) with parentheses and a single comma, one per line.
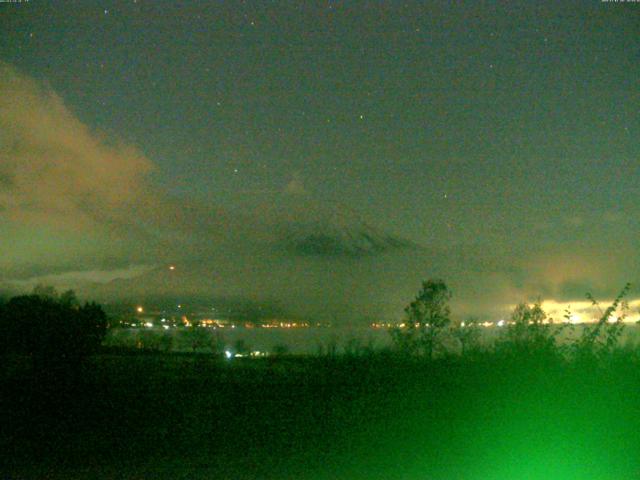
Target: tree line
(428,328)
(51,328)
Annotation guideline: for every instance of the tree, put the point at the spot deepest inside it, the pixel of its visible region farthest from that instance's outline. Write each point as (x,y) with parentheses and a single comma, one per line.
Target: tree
(530,331)
(426,318)
(91,326)
(280,350)
(45,291)
(4,339)
(196,337)
(217,343)
(149,340)
(241,347)
(50,330)
(468,334)
(69,299)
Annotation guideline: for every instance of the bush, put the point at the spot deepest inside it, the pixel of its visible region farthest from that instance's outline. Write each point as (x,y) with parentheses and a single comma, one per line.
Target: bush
(601,338)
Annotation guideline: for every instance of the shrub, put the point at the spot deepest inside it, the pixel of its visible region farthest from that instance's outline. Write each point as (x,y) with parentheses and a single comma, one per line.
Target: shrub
(602,337)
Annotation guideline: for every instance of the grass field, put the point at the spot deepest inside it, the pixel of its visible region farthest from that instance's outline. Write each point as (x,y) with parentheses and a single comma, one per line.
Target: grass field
(174,416)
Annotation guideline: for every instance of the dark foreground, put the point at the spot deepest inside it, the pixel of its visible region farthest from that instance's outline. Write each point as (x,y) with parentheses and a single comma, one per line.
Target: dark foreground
(191,417)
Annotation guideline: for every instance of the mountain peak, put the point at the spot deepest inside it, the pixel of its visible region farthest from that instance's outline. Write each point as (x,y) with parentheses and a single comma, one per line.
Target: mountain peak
(325,230)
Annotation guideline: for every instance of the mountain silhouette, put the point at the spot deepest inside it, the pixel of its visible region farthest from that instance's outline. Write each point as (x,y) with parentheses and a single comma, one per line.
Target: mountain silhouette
(310,228)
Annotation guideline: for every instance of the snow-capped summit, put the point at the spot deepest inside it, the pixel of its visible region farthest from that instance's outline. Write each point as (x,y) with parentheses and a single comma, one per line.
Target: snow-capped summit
(313,229)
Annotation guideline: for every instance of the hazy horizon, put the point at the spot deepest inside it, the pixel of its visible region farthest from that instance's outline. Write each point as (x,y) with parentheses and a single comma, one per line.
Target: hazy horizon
(323,159)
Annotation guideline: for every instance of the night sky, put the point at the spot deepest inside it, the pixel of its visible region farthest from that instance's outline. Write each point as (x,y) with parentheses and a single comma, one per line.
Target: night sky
(323,157)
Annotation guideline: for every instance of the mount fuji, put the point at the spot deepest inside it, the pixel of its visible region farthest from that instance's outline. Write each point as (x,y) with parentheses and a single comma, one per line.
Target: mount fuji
(313,229)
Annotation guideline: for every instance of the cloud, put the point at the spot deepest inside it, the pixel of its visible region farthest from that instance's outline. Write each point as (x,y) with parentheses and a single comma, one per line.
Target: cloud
(83,277)
(66,194)
(53,165)
(78,209)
